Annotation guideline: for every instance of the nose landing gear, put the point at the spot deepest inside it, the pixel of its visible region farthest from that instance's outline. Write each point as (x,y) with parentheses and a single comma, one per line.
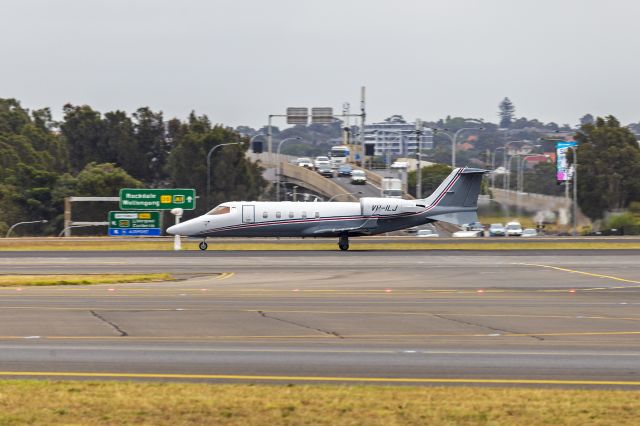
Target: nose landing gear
(203,245)
(343,243)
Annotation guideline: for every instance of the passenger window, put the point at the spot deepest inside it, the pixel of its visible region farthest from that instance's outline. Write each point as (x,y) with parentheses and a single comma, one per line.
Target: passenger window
(290,215)
(220,210)
(265,215)
(317,215)
(278,215)
(304,215)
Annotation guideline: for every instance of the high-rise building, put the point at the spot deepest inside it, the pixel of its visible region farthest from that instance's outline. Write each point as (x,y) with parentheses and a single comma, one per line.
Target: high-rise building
(395,137)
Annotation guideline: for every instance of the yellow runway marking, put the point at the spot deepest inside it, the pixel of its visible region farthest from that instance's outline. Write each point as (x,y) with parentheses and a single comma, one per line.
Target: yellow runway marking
(590,274)
(423,380)
(225,275)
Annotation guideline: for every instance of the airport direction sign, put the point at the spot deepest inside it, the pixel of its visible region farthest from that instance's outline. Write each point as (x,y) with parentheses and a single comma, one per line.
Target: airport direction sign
(157,199)
(134,223)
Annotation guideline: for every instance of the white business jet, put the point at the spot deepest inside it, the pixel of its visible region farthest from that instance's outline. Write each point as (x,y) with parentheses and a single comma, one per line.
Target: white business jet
(454,201)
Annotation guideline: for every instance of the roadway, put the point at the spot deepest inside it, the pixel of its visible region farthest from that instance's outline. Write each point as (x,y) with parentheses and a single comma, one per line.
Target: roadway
(541,318)
(368,189)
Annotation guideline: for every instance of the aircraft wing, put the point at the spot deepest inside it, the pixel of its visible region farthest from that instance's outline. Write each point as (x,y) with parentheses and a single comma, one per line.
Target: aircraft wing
(330,230)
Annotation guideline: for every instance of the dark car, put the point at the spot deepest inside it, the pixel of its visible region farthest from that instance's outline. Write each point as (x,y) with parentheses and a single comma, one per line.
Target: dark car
(345,170)
(325,171)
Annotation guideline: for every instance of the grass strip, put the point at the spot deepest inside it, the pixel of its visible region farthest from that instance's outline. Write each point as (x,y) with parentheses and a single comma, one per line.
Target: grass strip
(84,279)
(106,403)
(315,246)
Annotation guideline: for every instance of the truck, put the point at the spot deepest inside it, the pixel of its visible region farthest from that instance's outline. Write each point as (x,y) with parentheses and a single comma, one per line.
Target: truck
(391,188)
(339,155)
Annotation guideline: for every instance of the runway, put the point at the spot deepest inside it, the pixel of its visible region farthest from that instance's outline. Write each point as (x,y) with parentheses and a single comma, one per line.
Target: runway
(416,317)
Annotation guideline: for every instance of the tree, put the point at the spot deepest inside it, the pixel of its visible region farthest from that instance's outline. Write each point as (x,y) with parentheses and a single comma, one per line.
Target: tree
(608,167)
(83,131)
(432,176)
(233,177)
(506,113)
(150,134)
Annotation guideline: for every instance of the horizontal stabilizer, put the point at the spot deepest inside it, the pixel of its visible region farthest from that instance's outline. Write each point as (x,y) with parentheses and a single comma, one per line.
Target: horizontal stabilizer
(457,218)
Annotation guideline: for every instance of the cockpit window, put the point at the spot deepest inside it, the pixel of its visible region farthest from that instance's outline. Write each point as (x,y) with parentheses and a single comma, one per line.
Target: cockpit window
(220,210)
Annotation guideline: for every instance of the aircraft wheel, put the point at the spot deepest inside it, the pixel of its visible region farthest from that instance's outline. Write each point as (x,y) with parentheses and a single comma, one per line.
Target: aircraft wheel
(203,245)
(343,242)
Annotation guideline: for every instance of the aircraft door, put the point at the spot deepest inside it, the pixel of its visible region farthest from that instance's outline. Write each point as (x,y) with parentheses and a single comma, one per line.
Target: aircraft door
(248,214)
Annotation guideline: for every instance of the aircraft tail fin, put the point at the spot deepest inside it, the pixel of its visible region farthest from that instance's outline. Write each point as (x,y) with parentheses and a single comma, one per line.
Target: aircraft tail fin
(457,195)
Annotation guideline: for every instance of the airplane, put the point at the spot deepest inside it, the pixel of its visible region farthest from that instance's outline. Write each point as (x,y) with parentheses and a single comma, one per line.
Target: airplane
(454,201)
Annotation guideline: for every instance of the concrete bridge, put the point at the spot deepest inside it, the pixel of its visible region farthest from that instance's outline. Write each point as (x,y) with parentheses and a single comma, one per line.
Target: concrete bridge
(560,206)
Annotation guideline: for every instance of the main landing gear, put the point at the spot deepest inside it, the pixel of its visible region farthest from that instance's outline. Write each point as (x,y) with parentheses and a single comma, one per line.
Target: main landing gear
(203,245)
(343,243)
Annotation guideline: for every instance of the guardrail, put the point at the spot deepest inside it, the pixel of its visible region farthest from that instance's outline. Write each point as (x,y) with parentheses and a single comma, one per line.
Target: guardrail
(314,181)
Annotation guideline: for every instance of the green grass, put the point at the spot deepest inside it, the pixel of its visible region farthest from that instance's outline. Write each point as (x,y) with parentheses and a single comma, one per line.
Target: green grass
(107,403)
(74,279)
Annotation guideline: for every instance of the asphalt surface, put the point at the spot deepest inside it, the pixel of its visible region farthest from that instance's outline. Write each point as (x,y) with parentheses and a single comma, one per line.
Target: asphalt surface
(368,189)
(482,318)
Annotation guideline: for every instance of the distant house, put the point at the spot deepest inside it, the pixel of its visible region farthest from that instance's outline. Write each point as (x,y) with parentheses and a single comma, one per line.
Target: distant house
(534,160)
(523,147)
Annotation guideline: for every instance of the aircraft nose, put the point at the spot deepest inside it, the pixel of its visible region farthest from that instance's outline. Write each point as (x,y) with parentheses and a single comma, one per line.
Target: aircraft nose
(173,230)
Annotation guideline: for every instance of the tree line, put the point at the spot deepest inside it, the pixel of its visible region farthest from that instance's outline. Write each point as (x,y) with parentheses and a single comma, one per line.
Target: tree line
(89,153)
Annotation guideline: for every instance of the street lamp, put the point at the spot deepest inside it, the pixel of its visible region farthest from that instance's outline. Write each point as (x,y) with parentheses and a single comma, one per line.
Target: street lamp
(22,223)
(574,179)
(279,169)
(345,193)
(454,138)
(206,196)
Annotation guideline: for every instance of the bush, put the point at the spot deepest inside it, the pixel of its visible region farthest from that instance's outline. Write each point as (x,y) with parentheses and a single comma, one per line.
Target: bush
(627,222)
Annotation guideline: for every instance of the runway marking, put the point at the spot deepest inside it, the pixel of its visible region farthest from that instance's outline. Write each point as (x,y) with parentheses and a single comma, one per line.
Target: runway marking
(225,275)
(423,380)
(573,271)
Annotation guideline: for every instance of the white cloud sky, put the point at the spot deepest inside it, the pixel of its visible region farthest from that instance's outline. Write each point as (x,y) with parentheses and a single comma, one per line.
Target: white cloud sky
(239,61)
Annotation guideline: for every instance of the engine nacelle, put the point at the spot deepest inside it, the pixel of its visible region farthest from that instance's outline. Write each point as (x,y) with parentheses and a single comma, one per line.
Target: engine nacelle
(387,206)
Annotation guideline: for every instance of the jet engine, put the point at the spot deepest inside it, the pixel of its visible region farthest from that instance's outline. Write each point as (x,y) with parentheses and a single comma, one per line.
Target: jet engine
(388,206)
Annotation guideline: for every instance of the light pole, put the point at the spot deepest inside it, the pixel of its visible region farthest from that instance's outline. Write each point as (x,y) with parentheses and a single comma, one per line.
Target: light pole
(206,196)
(345,193)
(22,223)
(574,179)
(279,168)
(418,158)
(453,140)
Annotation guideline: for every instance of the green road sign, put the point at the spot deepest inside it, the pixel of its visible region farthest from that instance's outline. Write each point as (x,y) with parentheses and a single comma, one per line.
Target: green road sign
(134,224)
(157,199)
(134,219)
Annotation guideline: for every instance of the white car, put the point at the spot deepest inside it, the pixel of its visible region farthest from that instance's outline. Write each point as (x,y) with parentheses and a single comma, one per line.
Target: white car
(321,161)
(427,233)
(513,229)
(304,162)
(358,177)
(466,234)
(529,232)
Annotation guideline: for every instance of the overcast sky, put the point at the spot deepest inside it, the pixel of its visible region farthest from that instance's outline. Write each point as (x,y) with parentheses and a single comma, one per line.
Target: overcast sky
(239,61)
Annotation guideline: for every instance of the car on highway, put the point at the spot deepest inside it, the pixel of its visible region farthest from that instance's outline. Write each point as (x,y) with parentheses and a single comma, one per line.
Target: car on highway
(424,233)
(513,229)
(325,170)
(345,170)
(529,232)
(304,162)
(496,230)
(466,234)
(477,227)
(358,177)
(321,161)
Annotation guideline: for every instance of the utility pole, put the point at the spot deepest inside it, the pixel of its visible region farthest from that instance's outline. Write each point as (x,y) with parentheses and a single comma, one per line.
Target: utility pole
(418,158)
